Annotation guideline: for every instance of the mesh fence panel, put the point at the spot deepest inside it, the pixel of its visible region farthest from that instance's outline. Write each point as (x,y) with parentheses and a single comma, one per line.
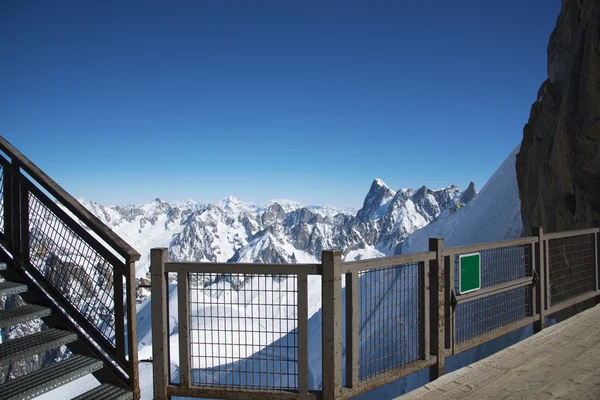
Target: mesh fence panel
(243,331)
(72,267)
(572,267)
(501,265)
(389,318)
(483,315)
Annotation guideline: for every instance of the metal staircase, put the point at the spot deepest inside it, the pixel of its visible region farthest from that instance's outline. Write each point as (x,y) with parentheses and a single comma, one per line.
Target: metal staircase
(67,289)
(51,377)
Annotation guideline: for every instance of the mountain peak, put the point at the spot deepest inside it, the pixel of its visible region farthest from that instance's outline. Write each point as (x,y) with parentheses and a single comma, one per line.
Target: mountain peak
(379,182)
(229,203)
(376,202)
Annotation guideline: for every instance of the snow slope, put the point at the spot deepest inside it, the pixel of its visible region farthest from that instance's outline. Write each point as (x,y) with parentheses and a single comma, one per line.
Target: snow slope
(494,214)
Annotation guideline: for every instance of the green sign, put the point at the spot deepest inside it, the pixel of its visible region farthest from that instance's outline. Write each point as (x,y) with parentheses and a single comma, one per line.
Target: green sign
(469,273)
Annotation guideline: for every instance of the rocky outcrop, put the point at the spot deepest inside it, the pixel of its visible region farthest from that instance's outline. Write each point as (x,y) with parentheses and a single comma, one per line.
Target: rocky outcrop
(558,166)
(468,194)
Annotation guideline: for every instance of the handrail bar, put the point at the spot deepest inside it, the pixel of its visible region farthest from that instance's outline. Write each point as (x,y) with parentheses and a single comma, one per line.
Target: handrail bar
(103,231)
(373,263)
(489,245)
(247,268)
(566,234)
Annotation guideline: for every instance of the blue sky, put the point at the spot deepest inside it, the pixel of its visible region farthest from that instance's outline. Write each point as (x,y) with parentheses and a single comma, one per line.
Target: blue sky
(122,102)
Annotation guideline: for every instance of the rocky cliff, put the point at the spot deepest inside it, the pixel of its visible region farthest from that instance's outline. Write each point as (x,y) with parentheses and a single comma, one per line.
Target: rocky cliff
(558,167)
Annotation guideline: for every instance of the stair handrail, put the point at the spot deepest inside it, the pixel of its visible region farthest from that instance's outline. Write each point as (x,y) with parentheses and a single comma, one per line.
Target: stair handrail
(27,179)
(93,222)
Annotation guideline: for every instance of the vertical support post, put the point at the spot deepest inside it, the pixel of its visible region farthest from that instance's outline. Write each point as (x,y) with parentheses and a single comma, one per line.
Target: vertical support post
(302,288)
(332,324)
(24,216)
(424,322)
(450,315)
(132,339)
(438,307)
(596,252)
(540,269)
(119,313)
(352,327)
(12,210)
(7,200)
(16,209)
(183,309)
(545,253)
(160,358)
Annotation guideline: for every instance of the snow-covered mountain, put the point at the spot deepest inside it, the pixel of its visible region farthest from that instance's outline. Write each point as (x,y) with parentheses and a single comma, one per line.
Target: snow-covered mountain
(281,231)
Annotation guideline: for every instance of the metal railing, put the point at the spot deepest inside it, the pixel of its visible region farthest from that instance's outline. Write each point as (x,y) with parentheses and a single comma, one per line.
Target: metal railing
(76,262)
(243,329)
(381,319)
(505,301)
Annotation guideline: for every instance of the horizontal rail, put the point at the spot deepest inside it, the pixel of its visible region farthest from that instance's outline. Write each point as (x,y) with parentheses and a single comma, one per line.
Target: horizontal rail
(230,268)
(364,265)
(236,394)
(495,289)
(103,231)
(496,333)
(566,234)
(489,246)
(571,302)
(387,377)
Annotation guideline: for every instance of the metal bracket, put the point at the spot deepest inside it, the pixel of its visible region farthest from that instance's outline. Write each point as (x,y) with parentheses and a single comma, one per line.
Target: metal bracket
(536,278)
(453,300)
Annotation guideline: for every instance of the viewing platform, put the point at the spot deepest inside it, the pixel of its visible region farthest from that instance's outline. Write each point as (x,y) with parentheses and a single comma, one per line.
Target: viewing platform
(560,362)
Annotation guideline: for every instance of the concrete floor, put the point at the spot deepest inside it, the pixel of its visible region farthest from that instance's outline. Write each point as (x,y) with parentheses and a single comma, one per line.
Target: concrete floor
(561,362)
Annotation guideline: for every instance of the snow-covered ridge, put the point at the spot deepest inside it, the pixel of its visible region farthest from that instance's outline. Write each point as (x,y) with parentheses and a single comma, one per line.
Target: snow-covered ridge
(280,231)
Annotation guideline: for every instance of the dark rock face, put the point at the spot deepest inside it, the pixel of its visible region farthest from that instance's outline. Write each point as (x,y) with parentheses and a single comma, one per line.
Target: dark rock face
(558,166)
(468,194)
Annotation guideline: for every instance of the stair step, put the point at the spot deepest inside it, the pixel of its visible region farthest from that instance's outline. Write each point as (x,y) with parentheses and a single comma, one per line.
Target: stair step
(22,314)
(46,379)
(106,392)
(17,349)
(7,288)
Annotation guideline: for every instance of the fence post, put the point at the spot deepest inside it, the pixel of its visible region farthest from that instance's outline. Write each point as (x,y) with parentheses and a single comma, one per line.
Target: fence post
(437,291)
(596,254)
(332,324)
(132,342)
(160,358)
(12,208)
(352,328)
(540,287)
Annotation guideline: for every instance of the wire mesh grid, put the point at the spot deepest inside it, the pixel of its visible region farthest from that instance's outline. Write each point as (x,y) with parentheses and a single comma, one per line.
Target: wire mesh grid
(389,318)
(483,315)
(243,331)
(82,276)
(501,265)
(572,266)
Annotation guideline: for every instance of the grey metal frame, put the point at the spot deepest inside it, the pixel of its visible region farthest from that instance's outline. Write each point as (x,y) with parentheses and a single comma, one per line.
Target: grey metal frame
(437,309)
(529,281)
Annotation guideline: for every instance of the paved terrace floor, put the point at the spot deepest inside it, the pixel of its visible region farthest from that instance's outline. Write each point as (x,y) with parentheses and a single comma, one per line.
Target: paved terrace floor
(561,362)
